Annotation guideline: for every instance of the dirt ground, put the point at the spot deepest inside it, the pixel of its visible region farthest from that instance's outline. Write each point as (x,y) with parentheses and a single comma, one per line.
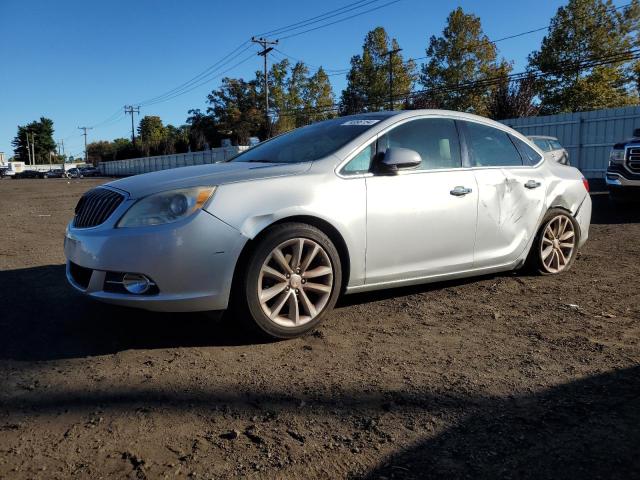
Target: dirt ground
(506,376)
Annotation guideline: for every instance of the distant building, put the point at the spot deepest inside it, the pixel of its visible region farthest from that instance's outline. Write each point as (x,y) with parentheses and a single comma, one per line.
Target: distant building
(2,159)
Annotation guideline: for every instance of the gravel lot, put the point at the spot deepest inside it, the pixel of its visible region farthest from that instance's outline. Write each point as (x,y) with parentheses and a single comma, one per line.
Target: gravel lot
(507,376)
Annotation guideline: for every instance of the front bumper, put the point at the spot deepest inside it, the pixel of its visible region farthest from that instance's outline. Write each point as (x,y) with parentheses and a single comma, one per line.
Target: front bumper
(619,177)
(191,262)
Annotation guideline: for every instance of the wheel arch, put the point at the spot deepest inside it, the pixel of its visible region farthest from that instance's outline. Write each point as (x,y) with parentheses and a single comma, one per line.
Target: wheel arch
(323,225)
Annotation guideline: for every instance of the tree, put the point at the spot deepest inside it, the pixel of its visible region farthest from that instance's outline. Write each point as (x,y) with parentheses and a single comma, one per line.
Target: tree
(461,56)
(123,149)
(100,151)
(293,115)
(177,139)
(300,99)
(42,132)
(513,99)
(203,130)
(575,57)
(235,108)
(105,151)
(318,98)
(368,80)
(152,134)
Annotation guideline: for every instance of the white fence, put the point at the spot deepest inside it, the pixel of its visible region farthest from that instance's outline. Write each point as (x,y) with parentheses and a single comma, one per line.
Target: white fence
(135,166)
(588,136)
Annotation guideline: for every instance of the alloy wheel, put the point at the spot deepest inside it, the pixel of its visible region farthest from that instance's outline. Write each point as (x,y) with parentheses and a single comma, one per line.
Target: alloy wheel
(295,282)
(558,243)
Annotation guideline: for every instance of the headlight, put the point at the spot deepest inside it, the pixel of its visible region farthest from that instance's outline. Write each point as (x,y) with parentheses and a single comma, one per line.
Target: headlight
(616,156)
(166,207)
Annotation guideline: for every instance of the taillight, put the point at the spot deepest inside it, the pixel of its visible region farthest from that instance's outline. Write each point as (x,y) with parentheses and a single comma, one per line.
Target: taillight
(585,182)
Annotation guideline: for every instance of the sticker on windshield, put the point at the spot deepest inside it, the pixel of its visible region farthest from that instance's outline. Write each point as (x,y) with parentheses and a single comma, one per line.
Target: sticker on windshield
(360,122)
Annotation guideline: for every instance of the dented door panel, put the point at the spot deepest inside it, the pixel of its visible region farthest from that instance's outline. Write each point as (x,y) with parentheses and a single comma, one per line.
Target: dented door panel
(510,206)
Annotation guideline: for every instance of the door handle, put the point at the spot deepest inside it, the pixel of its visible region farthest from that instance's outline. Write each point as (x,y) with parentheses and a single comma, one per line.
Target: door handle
(460,191)
(532,184)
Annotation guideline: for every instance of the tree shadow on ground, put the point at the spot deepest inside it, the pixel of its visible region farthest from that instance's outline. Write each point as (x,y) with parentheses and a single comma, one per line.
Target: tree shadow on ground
(580,430)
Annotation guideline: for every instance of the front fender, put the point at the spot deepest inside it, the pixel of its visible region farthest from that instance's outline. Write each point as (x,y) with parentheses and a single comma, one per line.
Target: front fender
(250,207)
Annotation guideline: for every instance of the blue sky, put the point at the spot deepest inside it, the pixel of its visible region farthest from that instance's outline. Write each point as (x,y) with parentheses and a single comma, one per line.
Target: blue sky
(79,62)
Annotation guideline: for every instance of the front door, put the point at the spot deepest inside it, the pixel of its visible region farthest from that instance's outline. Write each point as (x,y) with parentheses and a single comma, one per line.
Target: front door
(421,222)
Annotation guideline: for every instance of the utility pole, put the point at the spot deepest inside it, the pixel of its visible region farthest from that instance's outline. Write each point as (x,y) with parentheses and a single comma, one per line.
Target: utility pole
(131,109)
(33,148)
(84,129)
(28,149)
(265,50)
(391,53)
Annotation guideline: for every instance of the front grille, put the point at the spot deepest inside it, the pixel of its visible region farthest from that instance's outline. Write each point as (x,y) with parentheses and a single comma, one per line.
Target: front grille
(633,159)
(95,207)
(80,275)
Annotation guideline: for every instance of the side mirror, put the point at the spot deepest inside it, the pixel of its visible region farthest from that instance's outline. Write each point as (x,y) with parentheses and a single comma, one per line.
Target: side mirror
(397,158)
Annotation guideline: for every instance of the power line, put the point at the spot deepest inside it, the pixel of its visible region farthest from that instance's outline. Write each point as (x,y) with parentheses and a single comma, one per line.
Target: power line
(202,83)
(206,75)
(320,18)
(413,59)
(239,50)
(290,57)
(545,28)
(628,55)
(340,20)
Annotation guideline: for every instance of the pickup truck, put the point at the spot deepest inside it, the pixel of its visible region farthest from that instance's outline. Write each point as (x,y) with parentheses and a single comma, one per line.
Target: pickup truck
(623,172)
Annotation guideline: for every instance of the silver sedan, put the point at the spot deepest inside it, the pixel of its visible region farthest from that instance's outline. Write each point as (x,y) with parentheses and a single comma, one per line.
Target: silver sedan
(346,205)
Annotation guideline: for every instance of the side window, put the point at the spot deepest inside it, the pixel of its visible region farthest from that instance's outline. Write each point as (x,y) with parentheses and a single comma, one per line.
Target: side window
(435,139)
(529,154)
(490,147)
(361,163)
(542,144)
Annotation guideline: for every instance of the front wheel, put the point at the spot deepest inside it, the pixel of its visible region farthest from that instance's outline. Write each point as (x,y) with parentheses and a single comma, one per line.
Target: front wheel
(292,280)
(556,245)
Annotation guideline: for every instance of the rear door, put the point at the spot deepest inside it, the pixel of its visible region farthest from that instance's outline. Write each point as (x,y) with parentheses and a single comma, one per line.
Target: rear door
(511,193)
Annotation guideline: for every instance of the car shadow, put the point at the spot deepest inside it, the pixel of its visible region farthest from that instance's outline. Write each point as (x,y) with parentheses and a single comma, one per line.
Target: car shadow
(607,212)
(44,319)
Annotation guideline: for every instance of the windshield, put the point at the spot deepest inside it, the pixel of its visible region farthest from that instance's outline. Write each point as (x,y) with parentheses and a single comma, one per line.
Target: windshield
(310,143)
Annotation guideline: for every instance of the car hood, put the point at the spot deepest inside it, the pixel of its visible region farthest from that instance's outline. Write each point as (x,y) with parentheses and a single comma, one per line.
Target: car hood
(211,174)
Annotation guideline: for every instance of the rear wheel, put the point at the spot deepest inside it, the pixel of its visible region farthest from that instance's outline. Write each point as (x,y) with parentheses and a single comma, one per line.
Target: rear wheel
(291,281)
(556,245)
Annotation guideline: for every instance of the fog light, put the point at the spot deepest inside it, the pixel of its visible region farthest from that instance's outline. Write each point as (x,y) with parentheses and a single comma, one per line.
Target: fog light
(136,283)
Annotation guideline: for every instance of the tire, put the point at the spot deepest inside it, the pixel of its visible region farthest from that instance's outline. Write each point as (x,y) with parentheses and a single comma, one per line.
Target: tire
(542,261)
(272,288)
